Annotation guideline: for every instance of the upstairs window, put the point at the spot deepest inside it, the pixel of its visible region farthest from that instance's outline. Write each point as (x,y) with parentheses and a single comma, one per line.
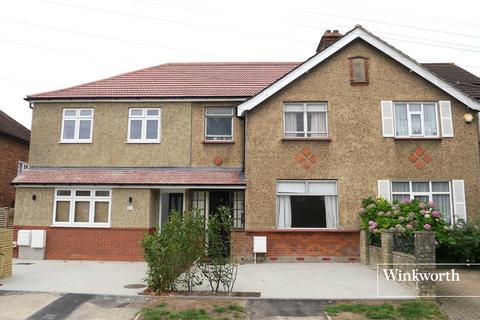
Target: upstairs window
(144,125)
(21,167)
(219,124)
(77,125)
(358,70)
(305,120)
(416,119)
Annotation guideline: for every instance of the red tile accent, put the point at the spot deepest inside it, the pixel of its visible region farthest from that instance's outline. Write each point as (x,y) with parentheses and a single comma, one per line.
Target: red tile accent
(420,164)
(427,158)
(218,161)
(273,258)
(307,165)
(306,151)
(313,158)
(413,157)
(299,157)
(419,150)
(326,259)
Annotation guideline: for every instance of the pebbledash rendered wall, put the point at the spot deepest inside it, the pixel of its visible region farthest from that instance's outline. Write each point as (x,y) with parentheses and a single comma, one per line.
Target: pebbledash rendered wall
(120,242)
(356,156)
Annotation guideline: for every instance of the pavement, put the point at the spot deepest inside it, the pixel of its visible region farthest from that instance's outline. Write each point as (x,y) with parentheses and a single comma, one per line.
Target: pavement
(272,280)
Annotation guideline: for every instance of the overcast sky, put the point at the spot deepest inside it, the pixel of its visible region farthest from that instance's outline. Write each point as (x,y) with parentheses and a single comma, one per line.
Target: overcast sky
(51,44)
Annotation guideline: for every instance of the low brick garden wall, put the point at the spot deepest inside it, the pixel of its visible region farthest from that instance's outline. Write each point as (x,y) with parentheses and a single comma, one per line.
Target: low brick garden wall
(6,242)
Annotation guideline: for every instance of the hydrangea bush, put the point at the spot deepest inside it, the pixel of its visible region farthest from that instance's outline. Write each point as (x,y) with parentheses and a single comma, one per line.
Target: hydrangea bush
(405,217)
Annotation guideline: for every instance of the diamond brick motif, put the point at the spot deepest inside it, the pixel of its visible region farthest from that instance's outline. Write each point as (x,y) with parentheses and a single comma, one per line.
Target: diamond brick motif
(305,158)
(420,157)
(217,160)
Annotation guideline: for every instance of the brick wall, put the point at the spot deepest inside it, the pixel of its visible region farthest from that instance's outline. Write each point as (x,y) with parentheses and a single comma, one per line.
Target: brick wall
(6,236)
(12,151)
(287,246)
(112,244)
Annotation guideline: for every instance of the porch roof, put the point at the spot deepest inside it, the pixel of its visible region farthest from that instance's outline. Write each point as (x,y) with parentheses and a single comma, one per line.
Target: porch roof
(131,176)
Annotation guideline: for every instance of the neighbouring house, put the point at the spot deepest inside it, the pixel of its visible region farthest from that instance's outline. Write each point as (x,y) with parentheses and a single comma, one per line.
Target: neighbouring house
(291,148)
(14,144)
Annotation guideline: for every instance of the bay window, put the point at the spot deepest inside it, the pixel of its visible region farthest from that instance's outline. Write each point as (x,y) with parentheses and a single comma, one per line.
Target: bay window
(438,192)
(82,208)
(307,204)
(416,119)
(305,120)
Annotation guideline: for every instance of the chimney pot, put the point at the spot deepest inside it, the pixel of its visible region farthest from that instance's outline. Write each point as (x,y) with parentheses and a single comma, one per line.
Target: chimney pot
(328,39)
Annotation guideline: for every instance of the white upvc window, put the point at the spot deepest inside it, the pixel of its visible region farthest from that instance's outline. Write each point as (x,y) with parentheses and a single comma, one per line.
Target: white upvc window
(144,125)
(77,126)
(218,124)
(307,204)
(438,192)
(21,167)
(305,120)
(82,208)
(416,119)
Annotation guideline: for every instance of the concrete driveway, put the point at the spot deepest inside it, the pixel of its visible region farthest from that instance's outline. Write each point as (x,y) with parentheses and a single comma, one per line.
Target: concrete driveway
(272,280)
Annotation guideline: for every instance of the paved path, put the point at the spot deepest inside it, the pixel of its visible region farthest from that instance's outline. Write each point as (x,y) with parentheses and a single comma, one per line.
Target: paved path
(272,280)
(461,308)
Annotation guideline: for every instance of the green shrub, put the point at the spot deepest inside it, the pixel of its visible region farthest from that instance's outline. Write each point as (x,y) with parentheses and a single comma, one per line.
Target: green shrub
(172,251)
(462,243)
(378,215)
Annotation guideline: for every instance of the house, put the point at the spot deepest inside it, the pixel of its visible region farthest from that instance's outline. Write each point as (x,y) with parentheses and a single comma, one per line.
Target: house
(14,144)
(292,148)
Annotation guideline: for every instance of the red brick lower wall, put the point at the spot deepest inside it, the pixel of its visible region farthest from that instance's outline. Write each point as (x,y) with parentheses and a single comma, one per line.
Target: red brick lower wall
(300,245)
(112,244)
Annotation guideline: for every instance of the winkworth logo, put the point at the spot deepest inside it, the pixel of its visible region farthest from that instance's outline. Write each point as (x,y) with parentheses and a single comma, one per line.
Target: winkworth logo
(413,275)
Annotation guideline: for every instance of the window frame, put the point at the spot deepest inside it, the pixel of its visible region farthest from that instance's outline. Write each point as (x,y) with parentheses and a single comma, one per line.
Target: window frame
(305,121)
(365,61)
(77,117)
(218,138)
(73,198)
(422,119)
(428,194)
(144,117)
(306,194)
(21,167)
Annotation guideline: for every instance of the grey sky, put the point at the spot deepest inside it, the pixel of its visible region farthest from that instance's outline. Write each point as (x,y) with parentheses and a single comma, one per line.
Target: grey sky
(51,44)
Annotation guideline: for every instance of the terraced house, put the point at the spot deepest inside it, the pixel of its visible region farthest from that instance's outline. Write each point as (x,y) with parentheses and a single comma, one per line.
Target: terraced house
(291,148)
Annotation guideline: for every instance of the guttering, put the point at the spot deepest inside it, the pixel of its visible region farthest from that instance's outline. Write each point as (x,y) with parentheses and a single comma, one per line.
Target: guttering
(82,100)
(132,186)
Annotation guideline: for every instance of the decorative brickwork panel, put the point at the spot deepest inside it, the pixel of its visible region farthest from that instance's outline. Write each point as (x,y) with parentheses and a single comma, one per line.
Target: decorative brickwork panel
(113,244)
(305,158)
(420,157)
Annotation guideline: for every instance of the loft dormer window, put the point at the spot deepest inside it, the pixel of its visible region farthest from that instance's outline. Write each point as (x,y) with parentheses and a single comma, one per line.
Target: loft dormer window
(358,70)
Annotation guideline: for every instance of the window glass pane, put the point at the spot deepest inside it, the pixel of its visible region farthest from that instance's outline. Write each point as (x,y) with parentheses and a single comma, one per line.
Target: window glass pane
(85,126)
(62,211)
(322,188)
(152,129)
(423,199)
(136,129)
(292,187)
(82,209)
(70,113)
(136,112)
(308,212)
(316,107)
(219,126)
(102,193)
(400,197)
(442,202)
(429,117)
(69,129)
(358,68)
(64,193)
(416,122)
(86,112)
(400,187)
(101,212)
(294,123)
(220,111)
(82,193)
(420,187)
(415,107)
(317,124)
(401,119)
(153,112)
(440,187)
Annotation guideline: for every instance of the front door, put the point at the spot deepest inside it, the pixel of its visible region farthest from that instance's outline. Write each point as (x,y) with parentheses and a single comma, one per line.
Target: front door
(175,202)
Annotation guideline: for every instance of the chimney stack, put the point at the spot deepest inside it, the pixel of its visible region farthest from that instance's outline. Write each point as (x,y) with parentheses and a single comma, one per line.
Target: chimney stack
(328,38)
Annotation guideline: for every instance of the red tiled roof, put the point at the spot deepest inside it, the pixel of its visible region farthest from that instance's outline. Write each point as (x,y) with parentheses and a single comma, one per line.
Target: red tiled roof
(131,176)
(13,128)
(181,80)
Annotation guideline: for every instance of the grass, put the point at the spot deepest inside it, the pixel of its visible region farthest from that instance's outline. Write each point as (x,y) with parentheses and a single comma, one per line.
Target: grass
(412,310)
(160,312)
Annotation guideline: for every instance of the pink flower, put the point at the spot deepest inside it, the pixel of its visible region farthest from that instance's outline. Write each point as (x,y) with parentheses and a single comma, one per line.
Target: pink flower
(409,226)
(436,214)
(426,226)
(371,222)
(406,200)
(421,205)
(432,204)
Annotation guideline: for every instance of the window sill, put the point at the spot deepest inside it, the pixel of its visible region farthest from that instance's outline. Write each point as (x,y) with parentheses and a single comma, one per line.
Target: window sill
(218,142)
(300,230)
(80,226)
(307,139)
(417,138)
(143,142)
(75,142)
(359,83)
